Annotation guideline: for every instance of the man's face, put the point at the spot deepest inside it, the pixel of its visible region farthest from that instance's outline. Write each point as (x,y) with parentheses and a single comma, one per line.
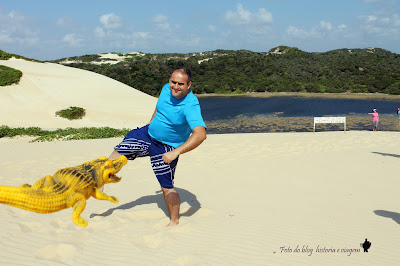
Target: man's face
(179,85)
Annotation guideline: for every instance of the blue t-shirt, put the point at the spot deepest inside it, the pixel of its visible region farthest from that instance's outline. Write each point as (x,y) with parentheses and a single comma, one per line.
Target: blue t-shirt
(175,118)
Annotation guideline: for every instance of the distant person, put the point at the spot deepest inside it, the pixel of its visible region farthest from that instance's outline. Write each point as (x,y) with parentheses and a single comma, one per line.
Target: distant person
(375,119)
(175,128)
(398,113)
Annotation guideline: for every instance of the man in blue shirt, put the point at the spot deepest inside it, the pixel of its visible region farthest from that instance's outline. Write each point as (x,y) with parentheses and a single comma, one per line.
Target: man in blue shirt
(175,128)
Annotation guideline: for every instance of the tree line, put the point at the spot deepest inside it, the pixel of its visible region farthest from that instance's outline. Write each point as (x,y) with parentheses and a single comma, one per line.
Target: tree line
(282,69)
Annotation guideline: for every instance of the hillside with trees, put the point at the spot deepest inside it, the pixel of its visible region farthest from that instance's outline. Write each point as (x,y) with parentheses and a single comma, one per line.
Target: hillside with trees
(282,69)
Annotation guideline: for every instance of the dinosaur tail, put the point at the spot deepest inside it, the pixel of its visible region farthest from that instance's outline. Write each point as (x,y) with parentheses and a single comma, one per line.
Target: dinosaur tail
(32,199)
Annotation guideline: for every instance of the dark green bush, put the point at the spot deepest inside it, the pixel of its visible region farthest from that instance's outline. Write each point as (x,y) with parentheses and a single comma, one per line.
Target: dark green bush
(9,75)
(4,55)
(72,113)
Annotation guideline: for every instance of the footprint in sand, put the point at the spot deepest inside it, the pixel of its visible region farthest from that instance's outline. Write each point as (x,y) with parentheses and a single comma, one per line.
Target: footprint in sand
(156,240)
(78,236)
(187,260)
(165,235)
(58,223)
(101,225)
(162,226)
(62,253)
(29,227)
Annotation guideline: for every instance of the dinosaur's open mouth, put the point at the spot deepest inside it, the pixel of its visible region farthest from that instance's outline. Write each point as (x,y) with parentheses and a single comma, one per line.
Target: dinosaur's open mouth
(112,176)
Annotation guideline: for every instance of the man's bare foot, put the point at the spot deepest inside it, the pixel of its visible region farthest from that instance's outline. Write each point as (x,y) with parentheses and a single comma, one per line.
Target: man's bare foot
(173,223)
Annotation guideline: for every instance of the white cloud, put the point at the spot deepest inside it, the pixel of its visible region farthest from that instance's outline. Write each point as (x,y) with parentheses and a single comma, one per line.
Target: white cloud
(110,21)
(15,16)
(99,32)
(160,18)
(297,33)
(248,27)
(17,28)
(244,17)
(72,40)
(162,22)
(65,22)
(241,16)
(212,28)
(322,30)
(142,35)
(109,24)
(327,26)
(164,26)
(264,16)
(5,37)
(381,25)
(26,37)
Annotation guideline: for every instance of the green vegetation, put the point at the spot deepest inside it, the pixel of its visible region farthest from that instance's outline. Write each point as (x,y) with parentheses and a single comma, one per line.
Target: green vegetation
(72,113)
(63,134)
(87,58)
(282,69)
(6,56)
(9,75)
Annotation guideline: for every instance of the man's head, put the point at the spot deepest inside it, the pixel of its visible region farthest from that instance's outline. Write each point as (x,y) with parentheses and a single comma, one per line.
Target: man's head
(180,82)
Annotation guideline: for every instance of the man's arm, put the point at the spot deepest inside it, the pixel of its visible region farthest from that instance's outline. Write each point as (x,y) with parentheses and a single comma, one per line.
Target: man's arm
(196,138)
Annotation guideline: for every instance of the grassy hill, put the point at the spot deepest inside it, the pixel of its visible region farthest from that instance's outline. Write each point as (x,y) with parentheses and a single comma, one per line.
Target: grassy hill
(282,69)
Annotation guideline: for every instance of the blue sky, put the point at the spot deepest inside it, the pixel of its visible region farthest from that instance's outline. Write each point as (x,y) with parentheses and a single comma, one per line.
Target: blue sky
(49,29)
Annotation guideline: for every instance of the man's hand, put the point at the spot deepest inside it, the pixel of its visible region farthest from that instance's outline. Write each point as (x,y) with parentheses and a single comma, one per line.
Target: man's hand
(196,138)
(168,157)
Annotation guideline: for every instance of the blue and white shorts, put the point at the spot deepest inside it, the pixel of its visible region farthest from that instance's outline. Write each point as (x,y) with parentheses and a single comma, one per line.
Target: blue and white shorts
(138,143)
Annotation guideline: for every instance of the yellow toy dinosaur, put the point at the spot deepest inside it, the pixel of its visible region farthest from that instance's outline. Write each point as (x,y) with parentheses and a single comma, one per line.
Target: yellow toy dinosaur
(68,187)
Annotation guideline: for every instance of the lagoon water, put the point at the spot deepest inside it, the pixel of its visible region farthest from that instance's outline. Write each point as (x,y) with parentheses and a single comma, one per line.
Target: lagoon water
(227,107)
(244,114)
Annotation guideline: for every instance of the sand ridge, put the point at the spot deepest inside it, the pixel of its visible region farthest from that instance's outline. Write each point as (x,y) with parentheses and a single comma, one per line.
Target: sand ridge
(46,88)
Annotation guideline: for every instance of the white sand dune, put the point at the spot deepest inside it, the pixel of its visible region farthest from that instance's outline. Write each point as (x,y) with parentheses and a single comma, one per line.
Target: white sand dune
(246,199)
(46,88)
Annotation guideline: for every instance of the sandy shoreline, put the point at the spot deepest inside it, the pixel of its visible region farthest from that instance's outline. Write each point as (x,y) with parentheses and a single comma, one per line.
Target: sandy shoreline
(246,199)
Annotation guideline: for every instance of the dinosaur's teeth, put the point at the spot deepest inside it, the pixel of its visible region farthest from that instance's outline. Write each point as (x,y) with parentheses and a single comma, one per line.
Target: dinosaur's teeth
(113,176)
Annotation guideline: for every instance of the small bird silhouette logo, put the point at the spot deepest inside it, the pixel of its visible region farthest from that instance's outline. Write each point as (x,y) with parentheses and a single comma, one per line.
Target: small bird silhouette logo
(366,245)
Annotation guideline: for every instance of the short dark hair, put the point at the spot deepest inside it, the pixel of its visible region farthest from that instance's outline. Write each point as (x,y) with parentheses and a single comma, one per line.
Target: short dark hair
(184,71)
